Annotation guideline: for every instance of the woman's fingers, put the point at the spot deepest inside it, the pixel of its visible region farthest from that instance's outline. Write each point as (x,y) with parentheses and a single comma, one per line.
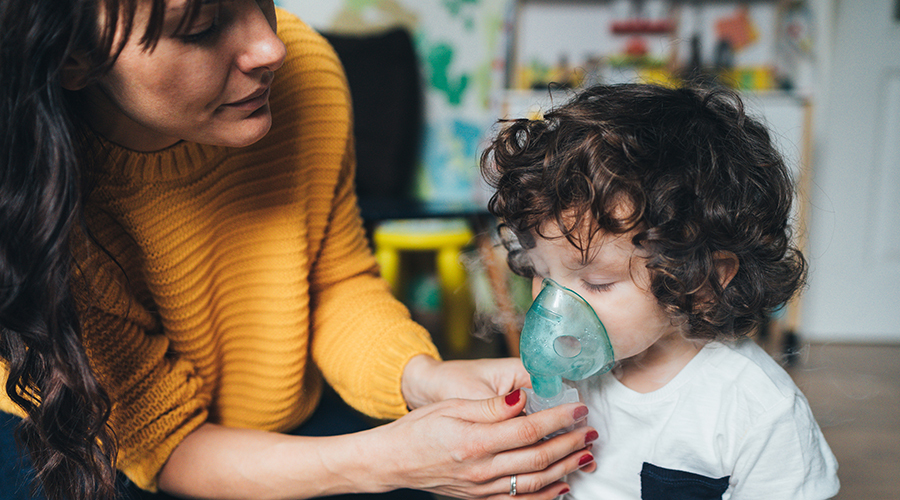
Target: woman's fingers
(495,409)
(551,454)
(426,380)
(545,483)
(470,448)
(520,449)
(499,408)
(509,430)
(536,476)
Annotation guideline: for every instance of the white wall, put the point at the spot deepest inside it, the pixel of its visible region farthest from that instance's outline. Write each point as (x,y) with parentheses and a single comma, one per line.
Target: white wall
(854,246)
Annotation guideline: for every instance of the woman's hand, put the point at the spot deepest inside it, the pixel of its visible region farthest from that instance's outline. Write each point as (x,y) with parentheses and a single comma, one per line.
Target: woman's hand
(426,380)
(460,448)
(469,449)
(464,448)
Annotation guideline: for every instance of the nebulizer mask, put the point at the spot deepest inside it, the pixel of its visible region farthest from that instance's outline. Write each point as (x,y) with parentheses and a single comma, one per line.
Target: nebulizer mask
(562,338)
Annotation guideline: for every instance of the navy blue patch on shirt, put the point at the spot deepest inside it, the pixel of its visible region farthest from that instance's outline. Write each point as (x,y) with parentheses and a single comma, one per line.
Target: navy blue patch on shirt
(667,484)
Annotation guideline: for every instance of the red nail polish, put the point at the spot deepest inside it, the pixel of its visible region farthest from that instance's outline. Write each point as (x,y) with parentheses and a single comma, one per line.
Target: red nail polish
(513,397)
(581,412)
(585,460)
(563,492)
(590,436)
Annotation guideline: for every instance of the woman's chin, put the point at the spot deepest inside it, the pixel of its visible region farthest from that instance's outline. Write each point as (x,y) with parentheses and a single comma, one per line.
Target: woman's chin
(249,131)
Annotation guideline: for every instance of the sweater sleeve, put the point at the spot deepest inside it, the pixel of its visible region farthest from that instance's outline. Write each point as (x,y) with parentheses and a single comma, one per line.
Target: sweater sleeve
(157,403)
(361,337)
(157,397)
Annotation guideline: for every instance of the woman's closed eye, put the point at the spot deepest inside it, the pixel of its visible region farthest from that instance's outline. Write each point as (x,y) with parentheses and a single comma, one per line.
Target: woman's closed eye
(207,26)
(202,35)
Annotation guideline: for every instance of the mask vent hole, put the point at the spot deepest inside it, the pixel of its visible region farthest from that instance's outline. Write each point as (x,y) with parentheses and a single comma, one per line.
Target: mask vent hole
(567,346)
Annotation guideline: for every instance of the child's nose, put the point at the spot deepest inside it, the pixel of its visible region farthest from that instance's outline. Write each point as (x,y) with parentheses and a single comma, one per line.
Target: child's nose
(536,285)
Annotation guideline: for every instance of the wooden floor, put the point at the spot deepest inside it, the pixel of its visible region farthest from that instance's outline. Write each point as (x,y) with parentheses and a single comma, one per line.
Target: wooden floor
(854,392)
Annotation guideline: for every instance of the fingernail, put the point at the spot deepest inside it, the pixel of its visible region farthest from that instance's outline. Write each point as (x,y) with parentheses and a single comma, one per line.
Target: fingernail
(513,397)
(581,412)
(563,492)
(586,459)
(590,436)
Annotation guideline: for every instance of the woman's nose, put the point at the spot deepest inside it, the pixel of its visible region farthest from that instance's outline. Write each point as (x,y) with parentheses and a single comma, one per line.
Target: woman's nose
(262,49)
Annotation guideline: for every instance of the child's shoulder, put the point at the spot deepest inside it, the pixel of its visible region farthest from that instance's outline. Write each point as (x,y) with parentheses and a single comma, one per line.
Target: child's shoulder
(744,370)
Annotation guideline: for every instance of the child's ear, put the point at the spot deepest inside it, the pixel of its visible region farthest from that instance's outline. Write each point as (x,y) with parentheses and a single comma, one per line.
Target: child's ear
(727,265)
(75,71)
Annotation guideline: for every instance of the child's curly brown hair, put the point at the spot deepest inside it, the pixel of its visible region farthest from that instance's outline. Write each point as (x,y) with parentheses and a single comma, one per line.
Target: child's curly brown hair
(697,178)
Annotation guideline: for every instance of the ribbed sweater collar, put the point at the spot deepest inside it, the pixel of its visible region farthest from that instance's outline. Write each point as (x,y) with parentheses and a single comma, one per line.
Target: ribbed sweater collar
(183,159)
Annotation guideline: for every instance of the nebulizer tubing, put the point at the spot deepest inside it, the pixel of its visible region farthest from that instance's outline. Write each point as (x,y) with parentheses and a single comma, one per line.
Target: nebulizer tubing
(562,338)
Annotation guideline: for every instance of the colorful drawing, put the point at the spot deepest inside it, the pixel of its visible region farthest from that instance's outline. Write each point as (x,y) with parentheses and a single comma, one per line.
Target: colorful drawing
(449,165)
(439,58)
(460,44)
(456,9)
(737,29)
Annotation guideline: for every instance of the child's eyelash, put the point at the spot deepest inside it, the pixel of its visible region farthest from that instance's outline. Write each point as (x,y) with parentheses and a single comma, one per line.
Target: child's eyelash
(598,288)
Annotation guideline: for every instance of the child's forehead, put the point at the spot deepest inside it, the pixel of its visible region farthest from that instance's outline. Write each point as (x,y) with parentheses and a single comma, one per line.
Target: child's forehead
(604,249)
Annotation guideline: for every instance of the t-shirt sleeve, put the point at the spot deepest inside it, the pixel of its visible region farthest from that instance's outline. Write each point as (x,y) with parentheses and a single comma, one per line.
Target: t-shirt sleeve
(784,455)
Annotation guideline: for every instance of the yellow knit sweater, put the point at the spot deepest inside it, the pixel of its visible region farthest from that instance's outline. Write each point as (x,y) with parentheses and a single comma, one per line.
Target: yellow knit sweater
(245,276)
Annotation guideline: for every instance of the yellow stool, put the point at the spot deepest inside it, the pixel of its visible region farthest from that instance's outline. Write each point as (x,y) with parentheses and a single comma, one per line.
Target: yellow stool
(447,237)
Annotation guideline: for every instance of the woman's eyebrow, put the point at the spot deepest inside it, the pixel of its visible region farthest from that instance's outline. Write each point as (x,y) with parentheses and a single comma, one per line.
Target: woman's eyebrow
(171,9)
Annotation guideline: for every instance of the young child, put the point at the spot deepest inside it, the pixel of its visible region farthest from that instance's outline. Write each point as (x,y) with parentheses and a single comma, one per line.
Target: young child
(668,211)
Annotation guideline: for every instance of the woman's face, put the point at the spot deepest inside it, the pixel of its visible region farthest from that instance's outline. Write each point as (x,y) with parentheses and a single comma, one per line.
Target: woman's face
(208,83)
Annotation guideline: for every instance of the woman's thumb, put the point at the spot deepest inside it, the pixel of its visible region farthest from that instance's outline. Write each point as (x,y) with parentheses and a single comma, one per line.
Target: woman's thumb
(499,408)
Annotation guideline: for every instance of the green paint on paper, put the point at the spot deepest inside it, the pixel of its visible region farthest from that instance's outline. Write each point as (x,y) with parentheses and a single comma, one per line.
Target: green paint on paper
(439,58)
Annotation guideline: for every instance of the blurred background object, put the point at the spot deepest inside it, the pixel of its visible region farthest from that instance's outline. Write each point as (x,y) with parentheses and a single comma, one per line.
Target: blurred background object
(823,74)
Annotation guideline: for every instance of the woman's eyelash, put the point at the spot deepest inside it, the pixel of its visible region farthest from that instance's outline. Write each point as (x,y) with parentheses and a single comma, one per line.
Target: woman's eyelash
(204,35)
(212,30)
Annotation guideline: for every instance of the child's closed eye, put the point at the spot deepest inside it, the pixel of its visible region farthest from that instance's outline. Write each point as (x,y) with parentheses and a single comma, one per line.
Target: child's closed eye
(597,287)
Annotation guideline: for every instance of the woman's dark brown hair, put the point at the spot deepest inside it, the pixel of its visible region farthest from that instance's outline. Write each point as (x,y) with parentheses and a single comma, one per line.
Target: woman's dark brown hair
(697,177)
(42,172)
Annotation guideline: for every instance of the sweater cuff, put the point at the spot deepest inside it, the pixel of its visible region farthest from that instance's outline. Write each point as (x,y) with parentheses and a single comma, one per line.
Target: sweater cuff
(387,369)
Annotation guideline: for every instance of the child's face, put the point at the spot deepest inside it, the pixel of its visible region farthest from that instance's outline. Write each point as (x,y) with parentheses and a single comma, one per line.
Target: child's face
(615,282)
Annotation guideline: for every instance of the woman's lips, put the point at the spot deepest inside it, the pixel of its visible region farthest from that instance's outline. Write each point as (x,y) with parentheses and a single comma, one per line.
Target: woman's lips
(252,102)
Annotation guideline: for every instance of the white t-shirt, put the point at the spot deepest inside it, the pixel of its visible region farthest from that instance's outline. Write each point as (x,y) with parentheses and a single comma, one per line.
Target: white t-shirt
(731,425)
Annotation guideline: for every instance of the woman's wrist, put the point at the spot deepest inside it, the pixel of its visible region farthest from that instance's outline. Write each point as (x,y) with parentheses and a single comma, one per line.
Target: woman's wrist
(353,463)
(414,383)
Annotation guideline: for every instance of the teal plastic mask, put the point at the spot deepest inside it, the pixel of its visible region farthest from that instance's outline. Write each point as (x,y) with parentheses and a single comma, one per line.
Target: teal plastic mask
(562,338)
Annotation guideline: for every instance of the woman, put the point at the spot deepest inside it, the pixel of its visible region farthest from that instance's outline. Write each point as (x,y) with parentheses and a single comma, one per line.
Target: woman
(178,279)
